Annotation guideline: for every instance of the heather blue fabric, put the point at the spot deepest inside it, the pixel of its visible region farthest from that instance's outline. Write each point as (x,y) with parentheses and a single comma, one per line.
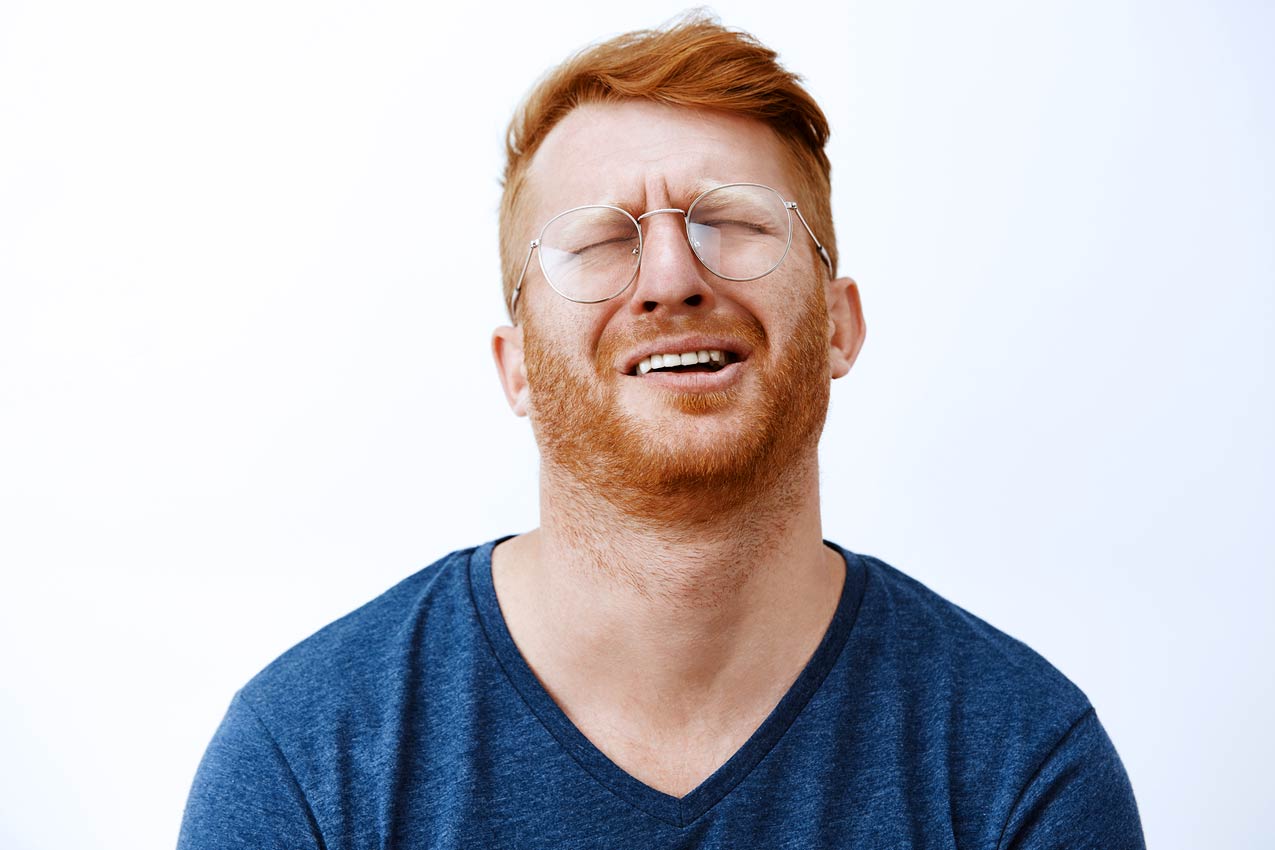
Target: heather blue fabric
(414,722)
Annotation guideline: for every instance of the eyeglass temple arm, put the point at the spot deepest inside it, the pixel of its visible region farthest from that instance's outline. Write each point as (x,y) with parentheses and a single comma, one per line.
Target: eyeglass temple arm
(823,253)
(535,243)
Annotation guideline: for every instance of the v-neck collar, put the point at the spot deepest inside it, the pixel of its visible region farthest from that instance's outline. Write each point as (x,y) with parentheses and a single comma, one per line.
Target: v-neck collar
(672,810)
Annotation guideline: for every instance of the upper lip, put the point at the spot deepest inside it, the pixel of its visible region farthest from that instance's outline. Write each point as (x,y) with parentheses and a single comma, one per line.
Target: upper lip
(682,344)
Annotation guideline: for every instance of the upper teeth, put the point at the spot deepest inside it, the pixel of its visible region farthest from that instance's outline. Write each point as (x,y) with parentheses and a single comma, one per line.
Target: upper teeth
(663,361)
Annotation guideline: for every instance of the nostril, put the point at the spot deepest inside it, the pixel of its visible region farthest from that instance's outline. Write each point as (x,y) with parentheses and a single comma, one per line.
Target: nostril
(649,306)
(694,300)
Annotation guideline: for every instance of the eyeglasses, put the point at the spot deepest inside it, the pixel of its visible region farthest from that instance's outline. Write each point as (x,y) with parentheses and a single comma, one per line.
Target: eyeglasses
(738,231)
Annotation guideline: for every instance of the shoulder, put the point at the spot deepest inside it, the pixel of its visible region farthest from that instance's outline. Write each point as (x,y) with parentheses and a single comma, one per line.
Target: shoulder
(1012,737)
(313,735)
(359,657)
(994,685)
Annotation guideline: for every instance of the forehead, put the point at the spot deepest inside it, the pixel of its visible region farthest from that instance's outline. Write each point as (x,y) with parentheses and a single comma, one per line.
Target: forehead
(641,155)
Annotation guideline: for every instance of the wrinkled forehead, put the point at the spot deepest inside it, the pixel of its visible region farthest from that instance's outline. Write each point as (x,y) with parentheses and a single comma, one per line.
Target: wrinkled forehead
(640,156)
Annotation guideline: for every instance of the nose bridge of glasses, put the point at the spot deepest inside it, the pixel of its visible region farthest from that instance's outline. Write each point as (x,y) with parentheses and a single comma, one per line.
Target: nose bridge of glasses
(672,211)
(650,213)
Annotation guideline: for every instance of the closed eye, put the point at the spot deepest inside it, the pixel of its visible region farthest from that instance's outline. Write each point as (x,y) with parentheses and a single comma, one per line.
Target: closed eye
(737,225)
(606,243)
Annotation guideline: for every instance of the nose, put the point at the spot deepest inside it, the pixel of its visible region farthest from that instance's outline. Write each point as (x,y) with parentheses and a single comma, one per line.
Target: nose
(670,280)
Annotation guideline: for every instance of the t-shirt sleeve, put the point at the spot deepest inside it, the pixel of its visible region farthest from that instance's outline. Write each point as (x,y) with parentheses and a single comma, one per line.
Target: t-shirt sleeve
(245,794)
(1079,798)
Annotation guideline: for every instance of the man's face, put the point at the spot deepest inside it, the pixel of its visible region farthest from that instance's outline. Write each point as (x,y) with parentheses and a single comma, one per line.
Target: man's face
(656,435)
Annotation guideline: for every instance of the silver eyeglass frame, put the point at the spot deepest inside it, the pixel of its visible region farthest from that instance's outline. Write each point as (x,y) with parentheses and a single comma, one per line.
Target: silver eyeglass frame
(789,206)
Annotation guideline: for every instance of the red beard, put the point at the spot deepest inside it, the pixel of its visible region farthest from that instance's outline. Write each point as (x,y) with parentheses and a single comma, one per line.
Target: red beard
(582,430)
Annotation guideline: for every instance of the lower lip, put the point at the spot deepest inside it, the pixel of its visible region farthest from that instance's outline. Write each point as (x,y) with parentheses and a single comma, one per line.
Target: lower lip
(695,382)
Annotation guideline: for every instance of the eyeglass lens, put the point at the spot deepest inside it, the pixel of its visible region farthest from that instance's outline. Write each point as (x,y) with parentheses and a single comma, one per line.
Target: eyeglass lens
(739,232)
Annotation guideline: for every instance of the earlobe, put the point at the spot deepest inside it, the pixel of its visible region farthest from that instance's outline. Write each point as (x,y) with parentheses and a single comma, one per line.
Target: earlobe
(506,348)
(845,325)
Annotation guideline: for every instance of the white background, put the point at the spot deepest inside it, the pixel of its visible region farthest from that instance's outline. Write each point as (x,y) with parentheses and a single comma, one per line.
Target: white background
(248,273)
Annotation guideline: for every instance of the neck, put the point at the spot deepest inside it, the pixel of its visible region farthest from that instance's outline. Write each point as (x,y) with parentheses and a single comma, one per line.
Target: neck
(687,551)
(672,616)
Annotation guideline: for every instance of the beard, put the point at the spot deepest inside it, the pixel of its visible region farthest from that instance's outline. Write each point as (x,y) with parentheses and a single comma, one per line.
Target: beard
(643,468)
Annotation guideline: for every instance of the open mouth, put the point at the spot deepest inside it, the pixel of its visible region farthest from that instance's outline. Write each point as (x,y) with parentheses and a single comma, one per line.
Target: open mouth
(704,360)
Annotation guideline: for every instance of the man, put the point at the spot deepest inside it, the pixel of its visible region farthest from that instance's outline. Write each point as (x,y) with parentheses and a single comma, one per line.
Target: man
(675,658)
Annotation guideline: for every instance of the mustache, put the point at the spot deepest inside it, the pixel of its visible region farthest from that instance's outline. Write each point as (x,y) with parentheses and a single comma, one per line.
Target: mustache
(615,344)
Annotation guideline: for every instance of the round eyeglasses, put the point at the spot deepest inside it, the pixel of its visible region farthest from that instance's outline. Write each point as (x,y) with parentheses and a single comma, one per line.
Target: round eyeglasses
(738,231)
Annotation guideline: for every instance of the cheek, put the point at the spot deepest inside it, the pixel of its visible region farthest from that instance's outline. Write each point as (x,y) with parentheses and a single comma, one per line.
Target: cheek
(779,305)
(802,320)
(562,334)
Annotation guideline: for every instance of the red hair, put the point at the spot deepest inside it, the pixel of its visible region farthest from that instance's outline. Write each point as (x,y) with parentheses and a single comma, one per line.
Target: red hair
(696,63)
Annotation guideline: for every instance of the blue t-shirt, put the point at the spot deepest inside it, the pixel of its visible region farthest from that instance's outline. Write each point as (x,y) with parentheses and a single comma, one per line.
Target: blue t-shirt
(414,722)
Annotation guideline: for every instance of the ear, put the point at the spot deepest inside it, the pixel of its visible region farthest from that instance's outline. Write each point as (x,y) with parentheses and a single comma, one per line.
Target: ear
(506,348)
(845,325)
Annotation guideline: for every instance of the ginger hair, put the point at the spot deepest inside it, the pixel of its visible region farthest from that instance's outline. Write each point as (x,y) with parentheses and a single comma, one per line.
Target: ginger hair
(695,62)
